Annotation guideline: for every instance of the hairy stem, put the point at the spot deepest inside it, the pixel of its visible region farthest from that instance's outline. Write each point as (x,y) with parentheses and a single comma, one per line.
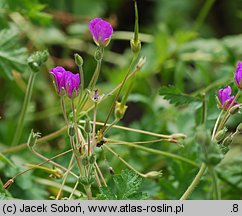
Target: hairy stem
(194,183)
(21,119)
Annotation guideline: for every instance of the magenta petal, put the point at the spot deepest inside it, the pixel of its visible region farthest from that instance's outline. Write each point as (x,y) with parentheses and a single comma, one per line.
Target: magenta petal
(100,30)
(238,74)
(66,80)
(58,72)
(225,97)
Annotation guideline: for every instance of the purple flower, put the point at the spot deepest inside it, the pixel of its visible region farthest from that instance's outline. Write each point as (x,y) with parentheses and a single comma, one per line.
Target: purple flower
(66,80)
(101,31)
(225,97)
(238,75)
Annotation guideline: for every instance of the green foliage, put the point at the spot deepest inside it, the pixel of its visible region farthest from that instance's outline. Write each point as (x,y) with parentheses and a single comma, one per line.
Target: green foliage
(127,186)
(12,55)
(175,96)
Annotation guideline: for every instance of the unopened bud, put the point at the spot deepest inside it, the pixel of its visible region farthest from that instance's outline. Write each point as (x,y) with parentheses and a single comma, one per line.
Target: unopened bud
(233,110)
(92,159)
(153,174)
(224,149)
(227,141)
(88,126)
(78,60)
(239,128)
(221,134)
(135,46)
(36,60)
(71,131)
(85,161)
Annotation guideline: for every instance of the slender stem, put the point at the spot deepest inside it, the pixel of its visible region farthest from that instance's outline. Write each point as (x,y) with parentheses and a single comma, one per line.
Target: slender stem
(63,108)
(217,194)
(88,192)
(100,173)
(88,145)
(204,106)
(136,130)
(76,156)
(74,189)
(165,154)
(124,161)
(40,164)
(94,126)
(57,185)
(66,175)
(21,119)
(97,178)
(109,126)
(194,183)
(91,85)
(216,125)
(202,169)
(52,162)
(203,13)
(120,89)
(75,121)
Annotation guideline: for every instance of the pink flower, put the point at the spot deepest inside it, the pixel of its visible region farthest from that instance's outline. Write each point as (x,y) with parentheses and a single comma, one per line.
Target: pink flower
(66,80)
(101,31)
(238,75)
(225,97)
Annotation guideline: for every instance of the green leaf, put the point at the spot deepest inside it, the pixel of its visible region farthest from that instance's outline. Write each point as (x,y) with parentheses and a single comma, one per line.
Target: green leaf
(127,187)
(5,160)
(175,96)
(12,56)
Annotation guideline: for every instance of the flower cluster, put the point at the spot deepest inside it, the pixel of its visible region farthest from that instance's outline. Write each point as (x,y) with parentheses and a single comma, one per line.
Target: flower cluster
(224,94)
(66,80)
(101,31)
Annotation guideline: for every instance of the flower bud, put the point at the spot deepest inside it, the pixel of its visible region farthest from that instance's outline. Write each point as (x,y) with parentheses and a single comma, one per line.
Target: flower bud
(85,161)
(8,184)
(92,159)
(78,60)
(88,126)
(36,60)
(224,149)
(135,46)
(221,134)
(227,141)
(239,128)
(71,131)
(233,110)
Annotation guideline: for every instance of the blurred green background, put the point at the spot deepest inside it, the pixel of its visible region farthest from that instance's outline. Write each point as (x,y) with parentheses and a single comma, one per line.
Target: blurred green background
(193,45)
